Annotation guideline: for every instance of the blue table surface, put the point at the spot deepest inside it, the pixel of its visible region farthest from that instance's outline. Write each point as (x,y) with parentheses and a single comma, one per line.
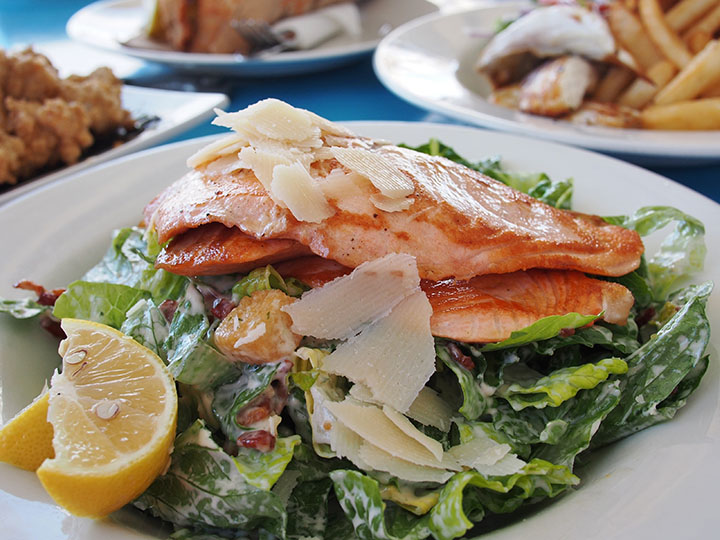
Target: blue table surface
(328,93)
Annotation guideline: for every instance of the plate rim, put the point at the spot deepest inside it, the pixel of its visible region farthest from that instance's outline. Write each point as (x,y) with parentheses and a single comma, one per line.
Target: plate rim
(605,141)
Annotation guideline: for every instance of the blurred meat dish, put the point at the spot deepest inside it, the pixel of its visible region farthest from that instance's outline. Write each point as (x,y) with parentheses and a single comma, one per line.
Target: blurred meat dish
(205,26)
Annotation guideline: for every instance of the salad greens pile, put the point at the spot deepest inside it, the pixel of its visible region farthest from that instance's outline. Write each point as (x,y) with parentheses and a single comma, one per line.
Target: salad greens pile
(554,391)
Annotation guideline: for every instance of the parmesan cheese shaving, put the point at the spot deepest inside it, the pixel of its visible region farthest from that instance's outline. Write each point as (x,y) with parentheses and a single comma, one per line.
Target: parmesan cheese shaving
(391,182)
(230,144)
(387,204)
(379,460)
(341,308)
(373,426)
(406,426)
(431,410)
(394,356)
(273,119)
(510,464)
(293,185)
(480,451)
(346,444)
(262,163)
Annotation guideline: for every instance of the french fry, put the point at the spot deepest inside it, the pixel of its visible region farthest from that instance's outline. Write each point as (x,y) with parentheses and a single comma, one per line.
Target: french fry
(613,82)
(686,12)
(638,94)
(631,35)
(712,92)
(662,35)
(699,114)
(702,73)
(698,35)
(662,73)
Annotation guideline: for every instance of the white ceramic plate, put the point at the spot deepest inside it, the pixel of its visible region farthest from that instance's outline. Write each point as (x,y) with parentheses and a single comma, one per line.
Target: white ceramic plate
(660,483)
(175,112)
(118,25)
(430,63)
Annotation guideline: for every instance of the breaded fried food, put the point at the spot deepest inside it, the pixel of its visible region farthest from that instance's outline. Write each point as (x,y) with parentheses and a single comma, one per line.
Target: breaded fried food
(47,121)
(99,94)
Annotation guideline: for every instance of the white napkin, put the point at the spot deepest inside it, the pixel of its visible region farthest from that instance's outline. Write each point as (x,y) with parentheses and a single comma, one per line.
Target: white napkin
(309,30)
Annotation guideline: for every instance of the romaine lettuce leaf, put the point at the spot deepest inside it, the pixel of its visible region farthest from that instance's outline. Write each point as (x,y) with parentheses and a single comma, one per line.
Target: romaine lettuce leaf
(266,278)
(682,252)
(231,397)
(262,469)
(538,479)
(359,496)
(191,357)
(146,324)
(204,490)
(545,328)
(664,366)
(22,309)
(474,398)
(307,509)
(105,303)
(130,261)
(561,385)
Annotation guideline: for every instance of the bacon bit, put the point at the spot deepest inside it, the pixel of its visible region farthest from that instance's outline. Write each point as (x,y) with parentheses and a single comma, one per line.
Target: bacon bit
(566,332)
(460,357)
(260,440)
(45,297)
(52,326)
(168,308)
(216,304)
(645,317)
(249,415)
(221,307)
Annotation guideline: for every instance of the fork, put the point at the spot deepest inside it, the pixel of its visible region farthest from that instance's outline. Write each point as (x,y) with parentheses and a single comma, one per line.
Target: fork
(261,36)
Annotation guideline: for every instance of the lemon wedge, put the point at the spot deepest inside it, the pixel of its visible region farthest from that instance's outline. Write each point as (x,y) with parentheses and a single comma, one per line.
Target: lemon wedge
(26,440)
(113,410)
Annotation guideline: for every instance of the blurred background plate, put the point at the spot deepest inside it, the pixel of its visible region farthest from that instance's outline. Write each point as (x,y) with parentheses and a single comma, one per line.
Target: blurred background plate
(430,62)
(118,25)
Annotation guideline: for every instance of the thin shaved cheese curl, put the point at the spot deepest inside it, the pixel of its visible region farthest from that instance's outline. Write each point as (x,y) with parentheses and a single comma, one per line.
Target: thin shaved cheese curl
(346,444)
(388,204)
(508,465)
(428,408)
(227,146)
(407,427)
(478,452)
(272,133)
(380,460)
(373,426)
(293,185)
(341,308)
(431,410)
(391,182)
(394,357)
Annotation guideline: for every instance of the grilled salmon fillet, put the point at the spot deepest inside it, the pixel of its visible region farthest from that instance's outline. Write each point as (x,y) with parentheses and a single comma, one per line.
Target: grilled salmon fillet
(214,249)
(459,223)
(489,308)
